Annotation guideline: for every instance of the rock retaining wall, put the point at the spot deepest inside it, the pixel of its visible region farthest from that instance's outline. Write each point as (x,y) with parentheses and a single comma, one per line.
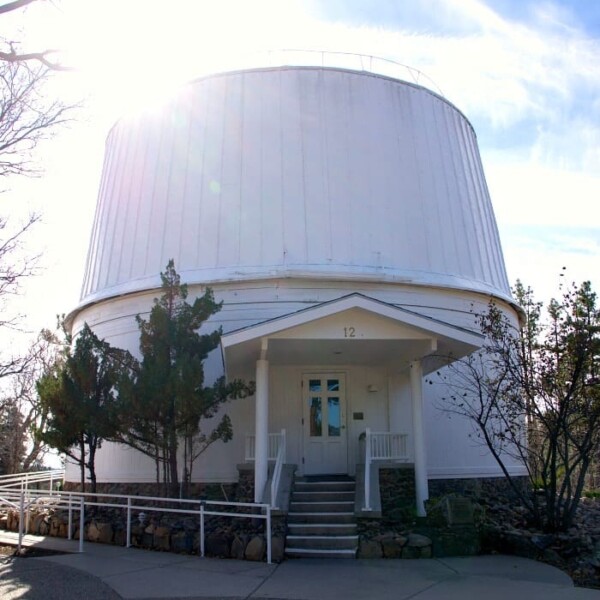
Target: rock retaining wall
(476,488)
(224,537)
(210,491)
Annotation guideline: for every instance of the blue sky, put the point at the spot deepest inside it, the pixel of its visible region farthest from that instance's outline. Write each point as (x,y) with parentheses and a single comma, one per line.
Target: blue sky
(437,17)
(526,74)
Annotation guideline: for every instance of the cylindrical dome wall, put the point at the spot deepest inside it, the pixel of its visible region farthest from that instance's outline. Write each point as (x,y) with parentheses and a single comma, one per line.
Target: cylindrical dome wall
(283,189)
(295,172)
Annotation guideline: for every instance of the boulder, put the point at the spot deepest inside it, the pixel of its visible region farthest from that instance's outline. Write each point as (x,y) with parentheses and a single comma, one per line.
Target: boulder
(182,542)
(255,550)
(44,526)
(93,533)
(370,549)
(54,525)
(13,520)
(162,538)
(137,535)
(416,540)
(238,546)
(63,529)
(35,523)
(392,547)
(147,539)
(105,533)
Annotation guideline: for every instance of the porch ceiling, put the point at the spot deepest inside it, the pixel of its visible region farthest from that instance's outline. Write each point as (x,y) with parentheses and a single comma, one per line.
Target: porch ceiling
(353,330)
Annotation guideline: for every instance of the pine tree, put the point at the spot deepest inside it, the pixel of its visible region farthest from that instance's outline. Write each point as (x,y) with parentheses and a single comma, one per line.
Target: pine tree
(79,393)
(165,404)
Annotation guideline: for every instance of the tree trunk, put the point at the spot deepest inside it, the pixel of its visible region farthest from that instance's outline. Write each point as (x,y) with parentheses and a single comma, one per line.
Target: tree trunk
(82,463)
(92,466)
(157,467)
(173,475)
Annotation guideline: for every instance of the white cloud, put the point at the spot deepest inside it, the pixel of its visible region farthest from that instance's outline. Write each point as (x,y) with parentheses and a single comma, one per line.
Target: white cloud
(533,194)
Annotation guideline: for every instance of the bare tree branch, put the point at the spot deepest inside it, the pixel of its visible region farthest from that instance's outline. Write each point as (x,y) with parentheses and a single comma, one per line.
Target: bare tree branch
(534,396)
(15,5)
(15,55)
(42,57)
(26,116)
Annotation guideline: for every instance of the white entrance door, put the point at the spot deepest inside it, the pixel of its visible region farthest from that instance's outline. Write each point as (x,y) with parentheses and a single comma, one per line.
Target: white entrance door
(324,400)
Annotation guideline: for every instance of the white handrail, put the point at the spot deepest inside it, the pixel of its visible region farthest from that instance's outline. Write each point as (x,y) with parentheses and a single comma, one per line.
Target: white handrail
(281,458)
(367,505)
(275,442)
(382,445)
(77,501)
(24,479)
(389,445)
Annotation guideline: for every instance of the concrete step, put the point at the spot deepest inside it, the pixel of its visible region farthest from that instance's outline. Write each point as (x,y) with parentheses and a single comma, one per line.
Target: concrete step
(331,506)
(323,496)
(322,528)
(336,518)
(321,521)
(319,553)
(310,486)
(322,542)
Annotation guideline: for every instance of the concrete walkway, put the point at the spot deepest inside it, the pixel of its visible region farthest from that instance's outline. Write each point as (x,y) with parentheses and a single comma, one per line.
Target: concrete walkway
(105,572)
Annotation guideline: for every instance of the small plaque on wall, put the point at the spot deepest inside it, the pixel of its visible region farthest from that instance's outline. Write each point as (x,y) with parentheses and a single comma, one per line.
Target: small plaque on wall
(358,416)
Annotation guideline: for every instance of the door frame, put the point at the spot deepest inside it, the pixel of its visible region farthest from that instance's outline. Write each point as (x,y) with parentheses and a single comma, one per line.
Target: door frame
(323,374)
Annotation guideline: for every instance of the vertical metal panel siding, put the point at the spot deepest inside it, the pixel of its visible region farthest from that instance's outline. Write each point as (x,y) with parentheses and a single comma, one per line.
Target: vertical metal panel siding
(303,171)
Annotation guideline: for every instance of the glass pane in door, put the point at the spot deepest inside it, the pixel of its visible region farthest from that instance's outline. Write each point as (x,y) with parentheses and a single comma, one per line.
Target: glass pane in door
(315,416)
(334,416)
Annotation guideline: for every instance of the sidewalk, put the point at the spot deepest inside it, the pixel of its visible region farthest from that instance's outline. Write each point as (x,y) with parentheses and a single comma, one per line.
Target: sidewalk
(106,572)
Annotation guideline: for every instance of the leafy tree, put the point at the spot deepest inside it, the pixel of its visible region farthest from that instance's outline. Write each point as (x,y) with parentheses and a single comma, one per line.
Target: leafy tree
(21,412)
(12,440)
(533,394)
(167,400)
(79,395)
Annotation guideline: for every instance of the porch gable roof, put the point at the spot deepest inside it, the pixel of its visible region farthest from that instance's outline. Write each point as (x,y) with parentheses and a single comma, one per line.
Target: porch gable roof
(319,332)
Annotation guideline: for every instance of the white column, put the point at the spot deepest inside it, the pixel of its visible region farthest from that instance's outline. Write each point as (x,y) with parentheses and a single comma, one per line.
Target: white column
(261,429)
(416,389)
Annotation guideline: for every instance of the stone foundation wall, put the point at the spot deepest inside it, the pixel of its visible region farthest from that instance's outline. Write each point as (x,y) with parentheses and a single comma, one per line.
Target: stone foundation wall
(210,491)
(476,488)
(397,491)
(399,533)
(245,486)
(398,496)
(225,538)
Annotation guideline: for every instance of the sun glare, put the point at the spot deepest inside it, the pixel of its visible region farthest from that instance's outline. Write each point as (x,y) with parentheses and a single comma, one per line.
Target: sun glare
(136,52)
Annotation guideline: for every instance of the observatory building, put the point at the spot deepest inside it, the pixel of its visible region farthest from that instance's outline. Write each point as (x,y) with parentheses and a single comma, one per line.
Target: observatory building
(343,218)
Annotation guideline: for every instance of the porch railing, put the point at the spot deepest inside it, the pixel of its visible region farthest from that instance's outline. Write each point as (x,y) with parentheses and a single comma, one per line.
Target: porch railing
(382,445)
(276,440)
(279,462)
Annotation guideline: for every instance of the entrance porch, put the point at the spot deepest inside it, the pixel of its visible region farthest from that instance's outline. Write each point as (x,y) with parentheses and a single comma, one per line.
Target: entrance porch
(343,379)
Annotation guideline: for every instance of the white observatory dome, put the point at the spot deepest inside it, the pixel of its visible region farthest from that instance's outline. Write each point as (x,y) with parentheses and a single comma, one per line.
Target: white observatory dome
(303,172)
